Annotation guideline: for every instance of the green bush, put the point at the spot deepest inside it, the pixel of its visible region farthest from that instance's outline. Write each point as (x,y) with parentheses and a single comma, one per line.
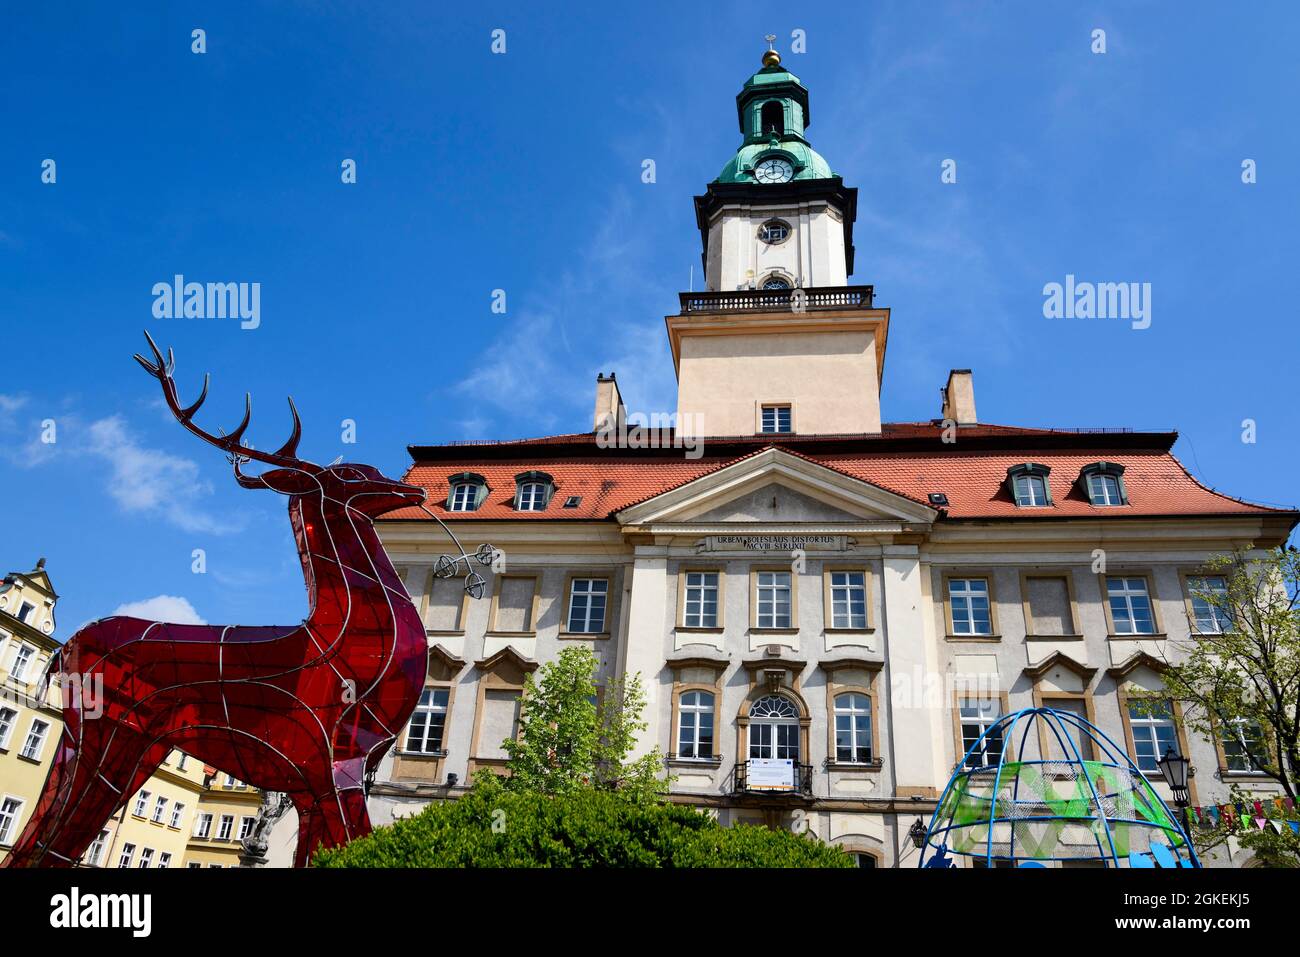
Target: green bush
(494,827)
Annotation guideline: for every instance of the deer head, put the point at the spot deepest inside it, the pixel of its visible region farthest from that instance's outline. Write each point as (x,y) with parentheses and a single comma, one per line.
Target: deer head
(362,488)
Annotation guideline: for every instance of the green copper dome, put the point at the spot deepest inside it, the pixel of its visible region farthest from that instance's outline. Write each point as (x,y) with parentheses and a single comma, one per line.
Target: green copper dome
(772,109)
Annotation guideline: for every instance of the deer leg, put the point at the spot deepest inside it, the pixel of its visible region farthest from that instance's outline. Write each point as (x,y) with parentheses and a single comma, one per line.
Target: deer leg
(88,782)
(335,815)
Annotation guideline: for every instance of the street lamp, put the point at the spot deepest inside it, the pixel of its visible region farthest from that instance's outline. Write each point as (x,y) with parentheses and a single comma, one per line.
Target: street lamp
(917,833)
(1174,768)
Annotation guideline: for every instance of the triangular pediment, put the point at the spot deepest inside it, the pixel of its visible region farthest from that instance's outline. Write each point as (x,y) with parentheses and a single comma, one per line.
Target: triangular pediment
(775,487)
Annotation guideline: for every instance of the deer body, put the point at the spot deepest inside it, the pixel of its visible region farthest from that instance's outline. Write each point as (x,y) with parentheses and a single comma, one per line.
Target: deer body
(308,710)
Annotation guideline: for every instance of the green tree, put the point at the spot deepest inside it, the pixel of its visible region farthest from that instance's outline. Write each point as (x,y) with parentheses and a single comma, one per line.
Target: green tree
(1239,676)
(568,740)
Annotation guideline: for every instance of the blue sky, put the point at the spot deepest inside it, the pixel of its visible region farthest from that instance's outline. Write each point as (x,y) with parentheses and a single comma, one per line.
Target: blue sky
(522,172)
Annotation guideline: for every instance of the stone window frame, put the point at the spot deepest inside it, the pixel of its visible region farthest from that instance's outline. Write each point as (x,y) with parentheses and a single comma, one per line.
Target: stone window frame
(495,605)
(1075,621)
(1180,732)
(793,629)
(426,601)
(566,600)
(827,604)
(721,571)
(774,403)
(835,688)
(1044,699)
(1227,773)
(986,573)
(444,671)
(759,689)
(680,688)
(1157,619)
(505,671)
(958,739)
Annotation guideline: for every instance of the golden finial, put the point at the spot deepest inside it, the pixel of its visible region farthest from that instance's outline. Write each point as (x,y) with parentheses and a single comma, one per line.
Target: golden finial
(771,57)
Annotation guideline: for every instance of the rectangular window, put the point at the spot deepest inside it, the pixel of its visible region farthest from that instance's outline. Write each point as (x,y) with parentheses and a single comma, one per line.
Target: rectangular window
(177,810)
(203,825)
(141,802)
(8,718)
(587,605)
(180,762)
(165,859)
(194,865)
(853,729)
(96,849)
(1211,617)
(9,809)
(22,660)
(1243,739)
(969,598)
(146,857)
(128,852)
(1048,601)
(514,610)
(978,715)
(424,734)
(695,726)
(500,719)
(231,782)
(464,497)
(159,808)
(245,826)
(25,612)
(1130,606)
(773,600)
(35,739)
(700,600)
(776,418)
(1152,725)
(849,600)
(227,825)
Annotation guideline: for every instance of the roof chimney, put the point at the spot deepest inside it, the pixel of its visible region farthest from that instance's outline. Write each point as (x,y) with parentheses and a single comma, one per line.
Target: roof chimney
(959,397)
(609,404)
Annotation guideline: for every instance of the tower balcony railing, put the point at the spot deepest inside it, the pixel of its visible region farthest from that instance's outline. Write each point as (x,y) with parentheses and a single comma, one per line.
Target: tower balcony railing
(778,300)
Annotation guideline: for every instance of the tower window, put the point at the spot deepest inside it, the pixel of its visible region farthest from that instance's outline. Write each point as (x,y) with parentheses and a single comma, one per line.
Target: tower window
(776,282)
(773,117)
(776,418)
(774,231)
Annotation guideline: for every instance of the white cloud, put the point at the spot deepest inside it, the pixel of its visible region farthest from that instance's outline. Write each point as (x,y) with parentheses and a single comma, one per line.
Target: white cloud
(149,480)
(168,608)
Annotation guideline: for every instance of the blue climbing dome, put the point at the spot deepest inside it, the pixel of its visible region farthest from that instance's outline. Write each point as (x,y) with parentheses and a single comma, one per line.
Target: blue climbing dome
(1042,785)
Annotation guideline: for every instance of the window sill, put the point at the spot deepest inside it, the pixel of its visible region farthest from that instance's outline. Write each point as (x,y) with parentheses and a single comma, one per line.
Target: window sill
(582,635)
(709,763)
(849,631)
(1143,636)
(773,631)
(437,633)
(973,637)
(702,629)
(856,767)
(1054,637)
(1226,774)
(510,634)
(422,755)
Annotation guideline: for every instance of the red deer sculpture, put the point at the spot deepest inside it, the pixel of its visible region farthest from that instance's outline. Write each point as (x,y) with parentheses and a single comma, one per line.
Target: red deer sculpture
(308,709)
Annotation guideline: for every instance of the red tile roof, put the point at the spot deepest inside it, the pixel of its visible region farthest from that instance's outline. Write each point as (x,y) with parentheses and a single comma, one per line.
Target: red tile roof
(908,459)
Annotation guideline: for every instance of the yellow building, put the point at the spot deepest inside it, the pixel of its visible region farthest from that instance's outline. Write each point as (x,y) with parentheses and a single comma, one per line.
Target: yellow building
(29,727)
(151,829)
(226,812)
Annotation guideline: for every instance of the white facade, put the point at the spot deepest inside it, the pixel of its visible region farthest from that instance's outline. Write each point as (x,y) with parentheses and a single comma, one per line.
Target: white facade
(812,254)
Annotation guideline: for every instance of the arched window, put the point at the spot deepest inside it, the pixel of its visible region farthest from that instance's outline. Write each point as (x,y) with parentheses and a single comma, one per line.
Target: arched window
(773,117)
(776,282)
(774,728)
(466,492)
(695,726)
(1028,485)
(1104,483)
(533,491)
(853,728)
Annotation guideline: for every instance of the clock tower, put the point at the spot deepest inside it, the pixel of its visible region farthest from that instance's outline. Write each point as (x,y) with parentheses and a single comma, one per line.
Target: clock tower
(777,341)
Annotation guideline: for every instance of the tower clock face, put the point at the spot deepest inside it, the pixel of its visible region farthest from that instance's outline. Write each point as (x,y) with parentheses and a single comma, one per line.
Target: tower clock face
(774,170)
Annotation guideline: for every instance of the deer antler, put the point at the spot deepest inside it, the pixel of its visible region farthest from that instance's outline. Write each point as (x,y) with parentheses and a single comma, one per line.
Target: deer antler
(162,370)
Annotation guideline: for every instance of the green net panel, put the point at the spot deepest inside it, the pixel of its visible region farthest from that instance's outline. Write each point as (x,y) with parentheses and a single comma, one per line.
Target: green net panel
(1042,785)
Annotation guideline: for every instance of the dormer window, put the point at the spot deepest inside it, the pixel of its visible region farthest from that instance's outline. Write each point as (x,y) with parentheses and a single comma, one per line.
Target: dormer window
(467,492)
(533,491)
(1028,485)
(1104,483)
